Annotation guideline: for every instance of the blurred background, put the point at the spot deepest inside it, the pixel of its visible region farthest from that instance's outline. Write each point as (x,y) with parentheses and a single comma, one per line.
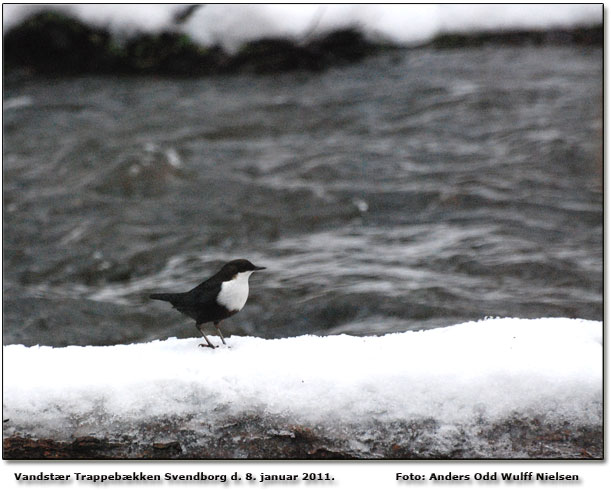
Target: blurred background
(394,167)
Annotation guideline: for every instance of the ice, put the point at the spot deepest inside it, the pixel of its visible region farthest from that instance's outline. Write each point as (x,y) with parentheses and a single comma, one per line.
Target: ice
(232,25)
(452,380)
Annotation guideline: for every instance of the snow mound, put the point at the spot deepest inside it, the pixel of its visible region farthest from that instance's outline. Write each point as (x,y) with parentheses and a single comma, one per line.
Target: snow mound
(466,375)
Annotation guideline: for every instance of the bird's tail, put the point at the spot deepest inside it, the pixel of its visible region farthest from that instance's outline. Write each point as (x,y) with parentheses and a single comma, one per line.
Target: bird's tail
(171,297)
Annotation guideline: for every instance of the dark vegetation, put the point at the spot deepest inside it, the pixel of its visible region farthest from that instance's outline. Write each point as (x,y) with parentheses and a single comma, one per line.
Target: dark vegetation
(586,36)
(52,43)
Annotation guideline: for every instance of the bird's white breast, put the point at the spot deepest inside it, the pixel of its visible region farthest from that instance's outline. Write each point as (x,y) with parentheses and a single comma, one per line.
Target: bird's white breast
(234,293)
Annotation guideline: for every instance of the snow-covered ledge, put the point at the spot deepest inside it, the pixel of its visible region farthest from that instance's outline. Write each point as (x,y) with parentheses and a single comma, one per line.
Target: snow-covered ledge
(494,388)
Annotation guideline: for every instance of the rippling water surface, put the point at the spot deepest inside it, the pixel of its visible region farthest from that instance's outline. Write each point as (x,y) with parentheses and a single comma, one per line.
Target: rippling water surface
(415,190)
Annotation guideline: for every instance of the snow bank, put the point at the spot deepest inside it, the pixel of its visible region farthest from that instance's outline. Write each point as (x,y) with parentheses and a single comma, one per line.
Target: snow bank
(403,24)
(463,376)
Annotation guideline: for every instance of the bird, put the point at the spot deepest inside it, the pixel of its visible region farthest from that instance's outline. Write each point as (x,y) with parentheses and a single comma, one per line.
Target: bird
(215,299)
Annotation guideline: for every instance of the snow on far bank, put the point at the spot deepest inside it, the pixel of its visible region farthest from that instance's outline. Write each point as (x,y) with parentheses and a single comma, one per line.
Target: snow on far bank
(488,370)
(232,25)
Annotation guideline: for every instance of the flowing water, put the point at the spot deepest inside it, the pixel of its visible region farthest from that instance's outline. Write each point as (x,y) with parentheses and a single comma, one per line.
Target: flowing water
(415,190)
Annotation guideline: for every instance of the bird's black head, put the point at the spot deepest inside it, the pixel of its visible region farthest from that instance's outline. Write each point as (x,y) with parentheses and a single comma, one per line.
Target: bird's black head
(241,265)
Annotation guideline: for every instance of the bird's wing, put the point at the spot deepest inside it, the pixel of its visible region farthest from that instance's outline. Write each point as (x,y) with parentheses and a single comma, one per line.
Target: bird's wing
(198,301)
(203,294)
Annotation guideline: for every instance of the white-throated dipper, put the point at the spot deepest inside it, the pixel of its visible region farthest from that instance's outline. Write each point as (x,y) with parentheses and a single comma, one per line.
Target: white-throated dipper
(215,299)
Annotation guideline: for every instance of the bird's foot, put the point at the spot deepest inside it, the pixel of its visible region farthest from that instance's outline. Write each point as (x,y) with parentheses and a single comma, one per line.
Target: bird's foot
(208,345)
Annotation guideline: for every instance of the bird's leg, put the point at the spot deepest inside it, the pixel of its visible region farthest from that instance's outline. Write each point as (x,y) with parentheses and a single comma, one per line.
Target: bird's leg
(218,329)
(208,344)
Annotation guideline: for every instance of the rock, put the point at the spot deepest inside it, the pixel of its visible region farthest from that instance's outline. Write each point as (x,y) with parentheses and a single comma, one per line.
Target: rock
(256,437)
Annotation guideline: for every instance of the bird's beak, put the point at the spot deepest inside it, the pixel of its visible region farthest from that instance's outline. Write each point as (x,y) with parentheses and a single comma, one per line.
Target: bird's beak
(259,268)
